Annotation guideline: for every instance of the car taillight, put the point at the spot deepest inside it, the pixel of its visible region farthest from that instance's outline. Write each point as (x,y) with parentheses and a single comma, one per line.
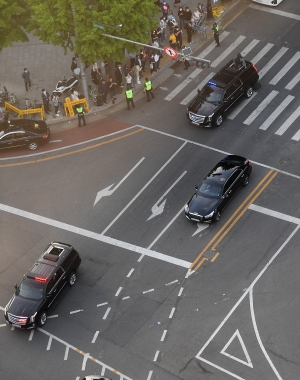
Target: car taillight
(45,136)
(249,163)
(255,68)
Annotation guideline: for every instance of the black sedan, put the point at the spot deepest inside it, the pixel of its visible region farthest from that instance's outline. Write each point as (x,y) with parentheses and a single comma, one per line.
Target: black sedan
(23,132)
(218,188)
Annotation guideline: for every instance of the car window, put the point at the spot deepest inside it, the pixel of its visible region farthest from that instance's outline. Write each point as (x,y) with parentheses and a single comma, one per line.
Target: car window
(18,135)
(68,260)
(7,137)
(211,94)
(50,285)
(33,290)
(234,86)
(231,179)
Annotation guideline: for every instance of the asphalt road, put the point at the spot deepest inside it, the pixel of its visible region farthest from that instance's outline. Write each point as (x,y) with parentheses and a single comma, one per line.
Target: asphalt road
(158,297)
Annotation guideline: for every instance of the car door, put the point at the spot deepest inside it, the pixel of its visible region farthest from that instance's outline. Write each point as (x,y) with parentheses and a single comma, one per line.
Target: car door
(233,93)
(230,188)
(55,285)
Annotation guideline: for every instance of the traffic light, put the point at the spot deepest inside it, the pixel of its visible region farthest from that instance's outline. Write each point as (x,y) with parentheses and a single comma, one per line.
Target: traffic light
(274,2)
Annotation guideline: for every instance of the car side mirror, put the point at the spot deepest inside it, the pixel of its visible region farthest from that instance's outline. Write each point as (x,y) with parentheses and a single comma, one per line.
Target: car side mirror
(196,187)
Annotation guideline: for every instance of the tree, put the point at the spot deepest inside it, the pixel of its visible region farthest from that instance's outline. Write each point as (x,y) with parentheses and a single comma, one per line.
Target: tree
(14,17)
(69,23)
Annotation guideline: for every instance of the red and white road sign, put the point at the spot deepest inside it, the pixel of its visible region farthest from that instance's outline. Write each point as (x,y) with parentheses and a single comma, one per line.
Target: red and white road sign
(170,52)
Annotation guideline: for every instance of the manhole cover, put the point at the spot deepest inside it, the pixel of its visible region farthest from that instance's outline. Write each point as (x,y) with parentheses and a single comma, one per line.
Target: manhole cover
(284,161)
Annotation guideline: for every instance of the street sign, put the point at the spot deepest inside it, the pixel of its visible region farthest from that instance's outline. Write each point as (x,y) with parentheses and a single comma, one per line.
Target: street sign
(170,52)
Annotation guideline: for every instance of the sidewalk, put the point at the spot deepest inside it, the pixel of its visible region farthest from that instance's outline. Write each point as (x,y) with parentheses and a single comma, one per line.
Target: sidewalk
(48,64)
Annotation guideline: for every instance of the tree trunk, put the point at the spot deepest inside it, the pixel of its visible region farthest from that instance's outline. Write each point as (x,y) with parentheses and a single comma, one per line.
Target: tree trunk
(209,16)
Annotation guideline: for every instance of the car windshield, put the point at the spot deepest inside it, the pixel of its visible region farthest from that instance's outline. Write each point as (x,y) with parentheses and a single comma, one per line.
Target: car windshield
(33,290)
(211,94)
(210,189)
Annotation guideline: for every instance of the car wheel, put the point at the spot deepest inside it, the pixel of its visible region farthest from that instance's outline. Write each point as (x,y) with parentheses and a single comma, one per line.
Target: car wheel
(219,120)
(245,181)
(42,318)
(72,279)
(217,216)
(32,146)
(249,92)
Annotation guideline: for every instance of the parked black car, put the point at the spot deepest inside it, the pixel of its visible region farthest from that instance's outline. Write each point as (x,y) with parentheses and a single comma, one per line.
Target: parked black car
(220,93)
(218,188)
(18,132)
(55,268)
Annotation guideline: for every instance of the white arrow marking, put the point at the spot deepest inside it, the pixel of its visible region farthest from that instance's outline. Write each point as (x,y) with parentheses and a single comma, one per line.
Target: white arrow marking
(158,209)
(201,227)
(107,191)
(164,88)
(178,75)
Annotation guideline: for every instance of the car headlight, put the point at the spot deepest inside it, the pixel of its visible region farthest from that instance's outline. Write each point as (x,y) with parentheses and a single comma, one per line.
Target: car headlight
(32,318)
(210,117)
(209,215)
(186,208)
(5,309)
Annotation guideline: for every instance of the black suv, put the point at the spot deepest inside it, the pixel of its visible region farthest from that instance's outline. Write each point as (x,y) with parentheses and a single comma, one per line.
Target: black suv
(55,268)
(221,92)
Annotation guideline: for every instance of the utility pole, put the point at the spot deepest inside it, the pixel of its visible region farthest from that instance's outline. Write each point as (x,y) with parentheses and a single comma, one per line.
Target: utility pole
(209,16)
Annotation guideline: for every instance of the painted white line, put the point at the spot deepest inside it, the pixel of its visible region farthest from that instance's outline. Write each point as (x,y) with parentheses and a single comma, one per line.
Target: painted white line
(143,188)
(296,136)
(85,358)
(274,214)
(130,272)
(171,283)
(190,271)
(248,48)
(172,312)
(183,84)
(163,335)
(148,291)
(262,53)
(96,236)
(78,377)
(193,93)
(52,316)
(198,356)
(156,356)
(76,311)
(293,82)
(118,291)
(149,375)
(275,11)
(106,313)
(240,107)
(31,335)
(125,298)
(228,51)
(55,141)
(2,308)
(261,107)
(102,304)
(12,328)
(95,336)
(272,62)
(237,334)
(3,325)
(49,343)
(140,258)
(289,121)
(180,292)
(285,68)
(277,112)
(212,46)
(66,353)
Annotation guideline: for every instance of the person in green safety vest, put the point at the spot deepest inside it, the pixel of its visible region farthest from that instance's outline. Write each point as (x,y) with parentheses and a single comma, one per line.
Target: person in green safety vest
(80,113)
(215,30)
(129,98)
(148,89)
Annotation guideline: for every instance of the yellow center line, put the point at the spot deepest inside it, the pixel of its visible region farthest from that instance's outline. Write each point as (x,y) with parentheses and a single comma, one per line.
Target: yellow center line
(232,217)
(74,151)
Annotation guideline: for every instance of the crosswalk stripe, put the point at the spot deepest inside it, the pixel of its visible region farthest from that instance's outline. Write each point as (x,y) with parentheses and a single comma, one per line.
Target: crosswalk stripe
(186,100)
(277,112)
(263,52)
(288,122)
(177,89)
(249,47)
(296,136)
(272,62)
(285,68)
(211,47)
(261,107)
(293,82)
(240,107)
(229,50)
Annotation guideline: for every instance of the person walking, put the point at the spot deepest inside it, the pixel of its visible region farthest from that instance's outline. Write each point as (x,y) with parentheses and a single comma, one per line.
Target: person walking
(55,104)
(163,25)
(178,35)
(102,89)
(129,98)
(46,99)
(112,89)
(137,69)
(215,30)
(94,73)
(181,17)
(80,113)
(74,65)
(128,79)
(119,74)
(148,89)
(26,77)
(189,30)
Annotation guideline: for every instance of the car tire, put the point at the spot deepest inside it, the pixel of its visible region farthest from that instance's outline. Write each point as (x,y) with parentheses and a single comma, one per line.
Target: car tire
(249,92)
(33,146)
(72,279)
(217,216)
(42,318)
(218,120)
(245,181)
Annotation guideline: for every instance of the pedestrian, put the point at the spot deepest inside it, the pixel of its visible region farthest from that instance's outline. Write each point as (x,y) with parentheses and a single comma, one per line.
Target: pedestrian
(128,79)
(119,74)
(178,35)
(215,30)
(152,64)
(55,104)
(46,99)
(157,59)
(163,25)
(239,61)
(112,89)
(187,14)
(137,69)
(99,75)
(153,35)
(186,62)
(189,30)
(94,73)
(132,59)
(181,17)
(74,65)
(159,35)
(148,89)
(172,40)
(129,98)
(26,77)
(80,113)
(74,95)
(102,89)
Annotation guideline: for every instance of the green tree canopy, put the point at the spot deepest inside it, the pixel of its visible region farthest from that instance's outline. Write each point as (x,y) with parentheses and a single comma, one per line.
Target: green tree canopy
(69,23)
(13,19)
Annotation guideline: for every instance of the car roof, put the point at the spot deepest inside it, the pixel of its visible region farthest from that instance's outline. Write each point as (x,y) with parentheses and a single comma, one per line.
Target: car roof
(227,74)
(223,170)
(23,125)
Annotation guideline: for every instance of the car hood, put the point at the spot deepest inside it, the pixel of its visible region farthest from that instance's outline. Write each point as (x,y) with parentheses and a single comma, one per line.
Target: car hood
(200,107)
(202,205)
(22,307)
